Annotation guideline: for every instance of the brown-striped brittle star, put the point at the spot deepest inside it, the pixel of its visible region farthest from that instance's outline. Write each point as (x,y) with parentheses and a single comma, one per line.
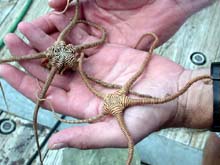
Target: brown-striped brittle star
(60,57)
(116,103)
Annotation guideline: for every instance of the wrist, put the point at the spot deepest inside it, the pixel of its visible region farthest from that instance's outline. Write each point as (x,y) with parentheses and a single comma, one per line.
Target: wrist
(190,7)
(195,107)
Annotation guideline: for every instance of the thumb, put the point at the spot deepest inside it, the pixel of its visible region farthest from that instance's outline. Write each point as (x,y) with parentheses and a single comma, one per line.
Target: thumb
(97,135)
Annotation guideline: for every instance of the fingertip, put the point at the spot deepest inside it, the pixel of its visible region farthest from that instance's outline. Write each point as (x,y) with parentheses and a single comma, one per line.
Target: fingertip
(37,38)
(11,40)
(97,135)
(24,26)
(21,25)
(56,140)
(8,38)
(57,4)
(5,69)
(2,69)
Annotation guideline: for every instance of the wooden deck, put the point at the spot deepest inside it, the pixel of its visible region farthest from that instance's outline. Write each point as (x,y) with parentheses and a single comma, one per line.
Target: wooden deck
(199,34)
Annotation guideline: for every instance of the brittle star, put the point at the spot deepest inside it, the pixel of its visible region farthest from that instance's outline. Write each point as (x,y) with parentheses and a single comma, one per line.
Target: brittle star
(116,103)
(60,57)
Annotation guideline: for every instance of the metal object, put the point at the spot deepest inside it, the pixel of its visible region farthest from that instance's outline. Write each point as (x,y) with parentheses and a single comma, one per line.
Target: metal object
(7,126)
(198,58)
(143,163)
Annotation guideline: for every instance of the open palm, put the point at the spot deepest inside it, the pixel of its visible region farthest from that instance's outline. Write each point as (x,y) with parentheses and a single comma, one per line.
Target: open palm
(69,95)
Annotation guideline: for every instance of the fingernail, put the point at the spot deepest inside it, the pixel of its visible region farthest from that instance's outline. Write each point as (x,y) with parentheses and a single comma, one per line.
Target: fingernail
(57,146)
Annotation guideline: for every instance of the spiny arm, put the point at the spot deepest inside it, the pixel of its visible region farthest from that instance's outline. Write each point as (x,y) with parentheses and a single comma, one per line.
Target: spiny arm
(86,81)
(146,61)
(37,106)
(96,43)
(115,86)
(69,27)
(27,57)
(133,102)
(125,131)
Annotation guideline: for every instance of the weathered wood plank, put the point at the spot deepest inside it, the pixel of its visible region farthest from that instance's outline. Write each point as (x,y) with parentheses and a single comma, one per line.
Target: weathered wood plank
(190,137)
(199,34)
(54,157)
(20,105)
(23,107)
(5,8)
(89,157)
(19,146)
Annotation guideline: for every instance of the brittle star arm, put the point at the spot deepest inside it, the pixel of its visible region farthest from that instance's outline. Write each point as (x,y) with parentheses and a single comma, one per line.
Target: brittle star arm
(133,102)
(37,106)
(86,81)
(75,121)
(78,121)
(115,86)
(96,43)
(65,9)
(116,112)
(27,57)
(130,82)
(125,131)
(72,23)
(98,94)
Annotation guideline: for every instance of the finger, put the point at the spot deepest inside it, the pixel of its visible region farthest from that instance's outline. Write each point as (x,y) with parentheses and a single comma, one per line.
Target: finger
(61,101)
(44,24)
(12,41)
(37,38)
(26,84)
(58,98)
(57,4)
(17,47)
(97,135)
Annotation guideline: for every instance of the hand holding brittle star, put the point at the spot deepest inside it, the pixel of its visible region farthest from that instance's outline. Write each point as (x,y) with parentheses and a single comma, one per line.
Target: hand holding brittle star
(121,17)
(59,57)
(116,103)
(70,97)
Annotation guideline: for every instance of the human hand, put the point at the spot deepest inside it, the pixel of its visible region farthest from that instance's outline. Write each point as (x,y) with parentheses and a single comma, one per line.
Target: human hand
(69,95)
(126,21)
